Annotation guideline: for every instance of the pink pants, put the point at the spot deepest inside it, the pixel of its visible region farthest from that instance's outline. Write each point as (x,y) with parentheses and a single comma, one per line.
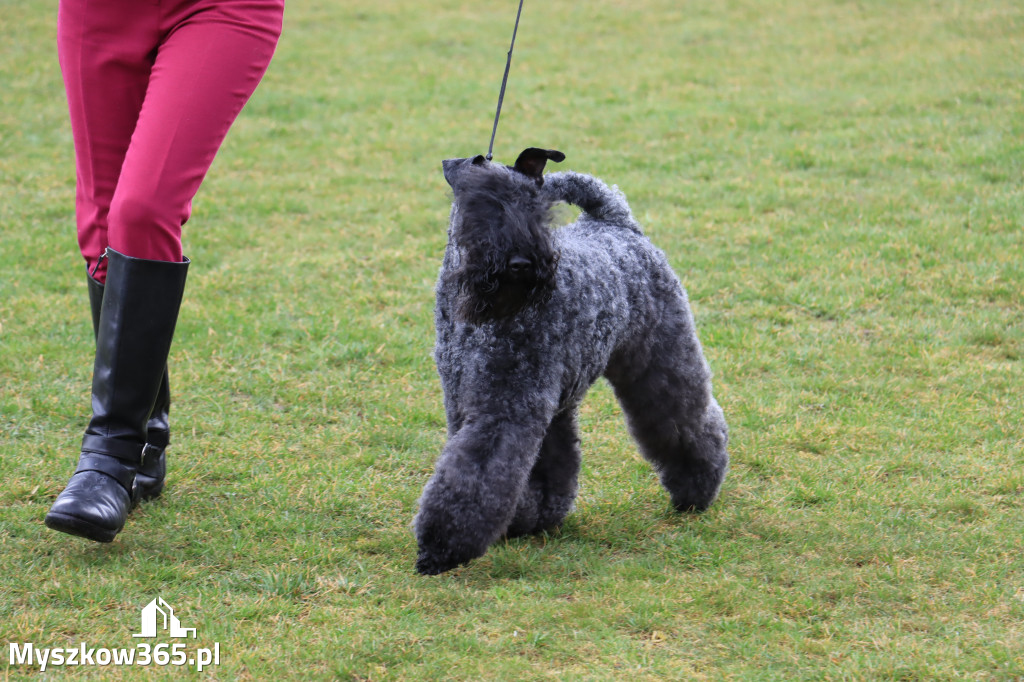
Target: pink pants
(152,87)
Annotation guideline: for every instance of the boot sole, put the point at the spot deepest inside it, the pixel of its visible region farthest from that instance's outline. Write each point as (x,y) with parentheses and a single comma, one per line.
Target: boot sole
(72,525)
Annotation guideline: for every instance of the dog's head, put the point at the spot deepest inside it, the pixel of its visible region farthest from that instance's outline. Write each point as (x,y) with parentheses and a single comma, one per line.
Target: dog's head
(529,165)
(500,224)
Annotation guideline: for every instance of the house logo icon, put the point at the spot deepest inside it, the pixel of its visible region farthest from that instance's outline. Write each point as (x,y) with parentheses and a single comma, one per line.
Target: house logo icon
(158,614)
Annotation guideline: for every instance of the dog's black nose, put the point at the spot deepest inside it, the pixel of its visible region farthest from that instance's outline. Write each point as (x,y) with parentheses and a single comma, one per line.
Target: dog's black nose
(518,263)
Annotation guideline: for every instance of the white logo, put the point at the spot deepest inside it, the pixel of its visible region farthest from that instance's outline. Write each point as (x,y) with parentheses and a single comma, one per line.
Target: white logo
(157,616)
(159,613)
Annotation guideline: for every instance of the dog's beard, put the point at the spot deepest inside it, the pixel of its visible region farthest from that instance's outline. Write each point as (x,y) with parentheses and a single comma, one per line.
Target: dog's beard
(493,291)
(507,260)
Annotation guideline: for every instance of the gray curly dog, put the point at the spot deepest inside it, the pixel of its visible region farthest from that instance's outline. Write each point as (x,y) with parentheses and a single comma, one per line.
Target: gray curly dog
(527,320)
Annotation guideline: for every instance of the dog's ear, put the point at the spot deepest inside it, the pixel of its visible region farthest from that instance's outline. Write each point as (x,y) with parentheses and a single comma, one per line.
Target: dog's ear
(532,160)
(453,167)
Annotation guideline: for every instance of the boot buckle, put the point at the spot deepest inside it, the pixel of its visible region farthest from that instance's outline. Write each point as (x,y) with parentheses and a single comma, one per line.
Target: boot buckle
(148,450)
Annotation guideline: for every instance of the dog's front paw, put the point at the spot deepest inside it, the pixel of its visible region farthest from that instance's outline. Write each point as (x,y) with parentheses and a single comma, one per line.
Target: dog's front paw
(429,564)
(695,493)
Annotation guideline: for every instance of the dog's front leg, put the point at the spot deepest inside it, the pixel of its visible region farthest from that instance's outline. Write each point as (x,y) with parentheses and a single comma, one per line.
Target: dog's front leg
(472,496)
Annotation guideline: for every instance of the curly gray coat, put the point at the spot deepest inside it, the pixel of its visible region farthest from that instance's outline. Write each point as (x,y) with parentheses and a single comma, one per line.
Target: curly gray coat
(527,320)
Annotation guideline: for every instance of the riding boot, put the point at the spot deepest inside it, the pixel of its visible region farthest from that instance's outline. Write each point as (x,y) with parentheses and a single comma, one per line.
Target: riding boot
(153,470)
(138,313)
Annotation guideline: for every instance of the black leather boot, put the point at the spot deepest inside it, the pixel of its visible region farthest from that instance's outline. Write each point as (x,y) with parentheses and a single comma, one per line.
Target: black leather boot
(151,473)
(139,310)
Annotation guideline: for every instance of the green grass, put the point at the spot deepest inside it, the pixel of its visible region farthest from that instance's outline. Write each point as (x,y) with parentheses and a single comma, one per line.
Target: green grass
(840,186)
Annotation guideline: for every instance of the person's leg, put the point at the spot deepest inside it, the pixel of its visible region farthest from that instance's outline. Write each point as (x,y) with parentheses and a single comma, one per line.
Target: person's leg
(214,55)
(106,52)
(204,71)
(211,61)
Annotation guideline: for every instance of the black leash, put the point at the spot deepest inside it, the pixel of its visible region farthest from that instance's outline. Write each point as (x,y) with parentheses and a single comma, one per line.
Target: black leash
(504,81)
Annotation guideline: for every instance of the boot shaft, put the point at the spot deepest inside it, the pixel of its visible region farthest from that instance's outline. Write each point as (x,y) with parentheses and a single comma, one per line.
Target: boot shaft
(140,304)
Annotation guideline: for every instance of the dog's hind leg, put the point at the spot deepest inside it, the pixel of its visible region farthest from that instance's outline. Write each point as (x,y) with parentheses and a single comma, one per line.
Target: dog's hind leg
(664,386)
(472,496)
(551,489)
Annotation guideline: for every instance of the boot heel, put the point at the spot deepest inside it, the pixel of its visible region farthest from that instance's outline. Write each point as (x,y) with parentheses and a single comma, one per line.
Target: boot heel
(151,474)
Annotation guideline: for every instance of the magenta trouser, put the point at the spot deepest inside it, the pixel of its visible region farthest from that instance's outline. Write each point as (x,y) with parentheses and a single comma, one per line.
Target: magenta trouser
(152,87)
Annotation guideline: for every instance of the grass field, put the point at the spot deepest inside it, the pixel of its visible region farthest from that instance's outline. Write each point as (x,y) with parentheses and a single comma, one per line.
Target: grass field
(840,186)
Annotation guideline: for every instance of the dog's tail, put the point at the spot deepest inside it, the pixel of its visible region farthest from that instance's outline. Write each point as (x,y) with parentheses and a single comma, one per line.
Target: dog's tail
(597,199)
